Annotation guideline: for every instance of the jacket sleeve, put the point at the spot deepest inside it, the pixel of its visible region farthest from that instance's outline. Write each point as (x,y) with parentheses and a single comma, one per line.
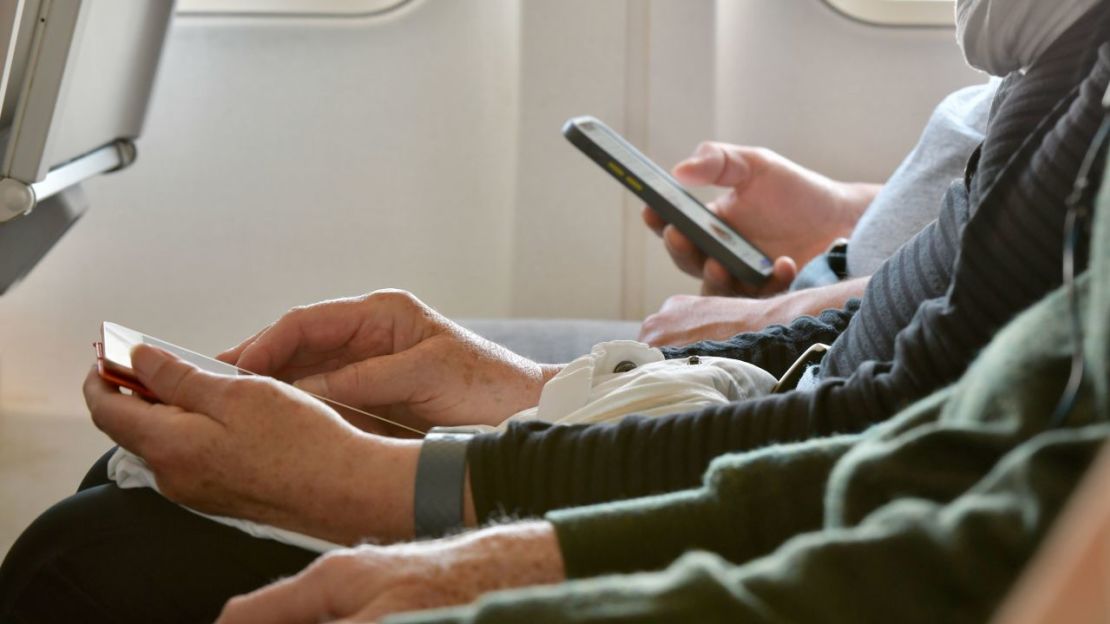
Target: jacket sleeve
(532,468)
(912,560)
(775,347)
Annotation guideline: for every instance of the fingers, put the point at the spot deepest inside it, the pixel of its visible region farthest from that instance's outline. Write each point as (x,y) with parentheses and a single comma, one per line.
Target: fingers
(232,355)
(782,276)
(301,598)
(685,255)
(383,380)
(124,418)
(653,220)
(175,381)
(136,425)
(719,164)
(717,281)
(336,585)
(321,327)
(401,600)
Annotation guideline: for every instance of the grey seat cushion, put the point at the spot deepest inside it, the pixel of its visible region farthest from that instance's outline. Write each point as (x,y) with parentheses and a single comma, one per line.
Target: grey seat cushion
(551,340)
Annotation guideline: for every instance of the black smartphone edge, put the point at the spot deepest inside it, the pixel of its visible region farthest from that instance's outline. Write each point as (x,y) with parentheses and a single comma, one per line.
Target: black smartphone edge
(736,265)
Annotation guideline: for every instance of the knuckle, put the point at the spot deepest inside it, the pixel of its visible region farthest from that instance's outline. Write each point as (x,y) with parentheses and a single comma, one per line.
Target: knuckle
(339,563)
(395,296)
(236,392)
(760,157)
(165,460)
(232,607)
(96,413)
(291,316)
(171,484)
(241,390)
(721,207)
(187,379)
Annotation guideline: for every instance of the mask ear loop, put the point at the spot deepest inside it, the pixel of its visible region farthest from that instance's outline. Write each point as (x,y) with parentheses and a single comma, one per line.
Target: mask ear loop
(1079,212)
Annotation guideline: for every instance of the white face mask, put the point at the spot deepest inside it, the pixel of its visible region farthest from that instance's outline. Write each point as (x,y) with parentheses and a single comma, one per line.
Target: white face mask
(1001,36)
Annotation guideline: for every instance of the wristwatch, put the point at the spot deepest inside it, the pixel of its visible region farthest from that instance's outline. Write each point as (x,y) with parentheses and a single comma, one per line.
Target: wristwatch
(440,471)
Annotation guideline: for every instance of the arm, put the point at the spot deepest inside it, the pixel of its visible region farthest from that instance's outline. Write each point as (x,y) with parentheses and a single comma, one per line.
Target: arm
(366,583)
(912,560)
(253,448)
(686,319)
(963,552)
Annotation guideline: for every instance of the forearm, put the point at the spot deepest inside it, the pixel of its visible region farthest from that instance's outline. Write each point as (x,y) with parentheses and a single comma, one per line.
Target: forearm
(856,197)
(739,512)
(774,348)
(370,494)
(500,557)
(964,555)
(814,301)
(533,468)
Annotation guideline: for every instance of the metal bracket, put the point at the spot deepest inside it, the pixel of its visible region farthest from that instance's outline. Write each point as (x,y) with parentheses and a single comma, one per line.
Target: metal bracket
(26,240)
(18,197)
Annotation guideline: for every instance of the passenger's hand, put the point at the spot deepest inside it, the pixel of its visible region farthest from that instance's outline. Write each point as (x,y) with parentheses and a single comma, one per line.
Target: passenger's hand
(686,319)
(370,582)
(791,213)
(254,448)
(389,353)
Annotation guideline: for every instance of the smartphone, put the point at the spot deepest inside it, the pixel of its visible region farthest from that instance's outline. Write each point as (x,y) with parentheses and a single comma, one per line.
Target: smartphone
(113,358)
(668,199)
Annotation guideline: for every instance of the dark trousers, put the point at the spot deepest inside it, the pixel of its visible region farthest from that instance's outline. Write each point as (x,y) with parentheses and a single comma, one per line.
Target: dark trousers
(111,555)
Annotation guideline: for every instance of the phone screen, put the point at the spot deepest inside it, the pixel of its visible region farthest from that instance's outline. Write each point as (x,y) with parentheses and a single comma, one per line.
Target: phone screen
(119,340)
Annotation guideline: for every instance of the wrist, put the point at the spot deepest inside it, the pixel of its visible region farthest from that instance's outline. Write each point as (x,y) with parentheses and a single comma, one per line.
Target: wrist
(783,308)
(813,301)
(375,501)
(539,375)
(853,200)
(548,371)
(502,557)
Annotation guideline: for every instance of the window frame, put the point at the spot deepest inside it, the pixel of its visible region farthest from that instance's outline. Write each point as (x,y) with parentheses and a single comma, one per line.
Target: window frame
(289,8)
(931,13)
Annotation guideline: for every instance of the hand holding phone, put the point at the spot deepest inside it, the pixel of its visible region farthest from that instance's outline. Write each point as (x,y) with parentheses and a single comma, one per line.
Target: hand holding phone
(668,199)
(113,362)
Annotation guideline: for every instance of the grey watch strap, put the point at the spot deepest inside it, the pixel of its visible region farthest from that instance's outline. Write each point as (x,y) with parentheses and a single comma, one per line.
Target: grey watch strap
(440,470)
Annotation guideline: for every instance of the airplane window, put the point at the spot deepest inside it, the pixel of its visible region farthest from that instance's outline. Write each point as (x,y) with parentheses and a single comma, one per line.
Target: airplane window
(330,8)
(898,12)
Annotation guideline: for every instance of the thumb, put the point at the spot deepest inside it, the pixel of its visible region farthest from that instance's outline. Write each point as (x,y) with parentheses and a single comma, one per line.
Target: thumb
(782,276)
(383,380)
(297,599)
(714,163)
(173,380)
